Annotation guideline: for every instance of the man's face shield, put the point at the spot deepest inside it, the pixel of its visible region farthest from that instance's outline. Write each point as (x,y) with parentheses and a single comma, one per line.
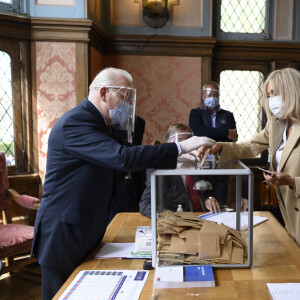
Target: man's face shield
(180,136)
(124,114)
(210,93)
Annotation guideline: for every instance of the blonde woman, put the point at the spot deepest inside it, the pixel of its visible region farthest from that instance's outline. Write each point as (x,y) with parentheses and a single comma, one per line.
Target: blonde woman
(281,102)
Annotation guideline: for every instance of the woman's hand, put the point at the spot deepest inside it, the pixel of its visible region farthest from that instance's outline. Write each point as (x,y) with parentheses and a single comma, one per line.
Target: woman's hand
(217,147)
(280,178)
(212,205)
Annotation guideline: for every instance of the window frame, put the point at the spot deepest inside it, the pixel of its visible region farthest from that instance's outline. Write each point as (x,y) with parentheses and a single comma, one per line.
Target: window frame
(266,35)
(19,62)
(240,66)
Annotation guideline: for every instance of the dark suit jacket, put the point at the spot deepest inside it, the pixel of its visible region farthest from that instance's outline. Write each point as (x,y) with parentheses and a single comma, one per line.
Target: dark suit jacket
(81,161)
(174,193)
(129,188)
(200,123)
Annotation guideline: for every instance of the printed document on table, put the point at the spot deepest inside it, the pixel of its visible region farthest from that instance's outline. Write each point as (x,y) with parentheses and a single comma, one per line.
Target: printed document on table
(106,284)
(229,219)
(283,291)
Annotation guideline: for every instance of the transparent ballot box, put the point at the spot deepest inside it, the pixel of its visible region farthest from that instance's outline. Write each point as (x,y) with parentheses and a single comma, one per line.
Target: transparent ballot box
(191,238)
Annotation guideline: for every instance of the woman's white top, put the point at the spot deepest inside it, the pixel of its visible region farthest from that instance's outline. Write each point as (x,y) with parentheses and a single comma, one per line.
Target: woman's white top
(281,146)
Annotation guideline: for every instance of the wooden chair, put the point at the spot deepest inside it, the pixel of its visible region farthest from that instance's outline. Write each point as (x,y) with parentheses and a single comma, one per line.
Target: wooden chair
(15,239)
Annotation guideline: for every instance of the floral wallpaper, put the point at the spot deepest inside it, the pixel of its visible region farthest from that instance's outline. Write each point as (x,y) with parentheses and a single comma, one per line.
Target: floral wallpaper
(167,89)
(56,89)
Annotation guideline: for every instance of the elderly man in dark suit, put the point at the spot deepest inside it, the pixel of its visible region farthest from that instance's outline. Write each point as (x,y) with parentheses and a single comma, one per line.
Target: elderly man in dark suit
(82,160)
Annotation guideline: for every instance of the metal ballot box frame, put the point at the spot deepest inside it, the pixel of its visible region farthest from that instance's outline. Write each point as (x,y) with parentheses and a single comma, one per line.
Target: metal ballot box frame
(233,167)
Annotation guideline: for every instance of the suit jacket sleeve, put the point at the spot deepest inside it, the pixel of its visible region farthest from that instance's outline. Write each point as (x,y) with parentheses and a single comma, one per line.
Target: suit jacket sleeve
(83,139)
(230,124)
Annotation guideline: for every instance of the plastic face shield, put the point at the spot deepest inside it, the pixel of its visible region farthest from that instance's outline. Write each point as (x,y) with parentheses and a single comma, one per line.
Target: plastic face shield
(126,108)
(211,93)
(180,136)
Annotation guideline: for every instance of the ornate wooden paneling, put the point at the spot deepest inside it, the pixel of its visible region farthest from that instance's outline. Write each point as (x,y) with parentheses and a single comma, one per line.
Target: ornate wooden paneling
(160,45)
(255,52)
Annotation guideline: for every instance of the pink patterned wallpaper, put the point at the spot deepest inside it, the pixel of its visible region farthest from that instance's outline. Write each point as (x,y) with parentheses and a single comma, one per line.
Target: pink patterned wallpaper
(56,89)
(167,89)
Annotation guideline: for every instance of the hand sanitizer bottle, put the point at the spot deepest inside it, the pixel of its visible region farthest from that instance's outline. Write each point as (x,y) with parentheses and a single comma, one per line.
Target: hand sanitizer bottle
(179,208)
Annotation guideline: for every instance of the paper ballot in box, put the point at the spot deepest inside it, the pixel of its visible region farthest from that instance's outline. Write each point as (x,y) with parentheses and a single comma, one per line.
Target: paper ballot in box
(143,240)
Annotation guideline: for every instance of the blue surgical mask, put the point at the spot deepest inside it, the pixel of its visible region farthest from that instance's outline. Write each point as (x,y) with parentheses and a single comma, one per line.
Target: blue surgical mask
(121,114)
(275,106)
(211,102)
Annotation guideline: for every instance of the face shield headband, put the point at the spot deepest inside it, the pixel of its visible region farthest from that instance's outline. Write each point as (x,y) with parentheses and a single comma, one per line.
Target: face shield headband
(124,114)
(211,93)
(180,136)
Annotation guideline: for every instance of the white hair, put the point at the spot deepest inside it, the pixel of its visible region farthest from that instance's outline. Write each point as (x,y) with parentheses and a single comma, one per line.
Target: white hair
(109,77)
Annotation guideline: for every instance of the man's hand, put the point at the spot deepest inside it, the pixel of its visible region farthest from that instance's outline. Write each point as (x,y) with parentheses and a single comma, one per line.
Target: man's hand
(217,147)
(191,156)
(194,143)
(244,204)
(232,135)
(212,205)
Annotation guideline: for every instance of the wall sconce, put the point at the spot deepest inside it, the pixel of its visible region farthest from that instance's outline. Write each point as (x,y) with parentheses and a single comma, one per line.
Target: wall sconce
(156,13)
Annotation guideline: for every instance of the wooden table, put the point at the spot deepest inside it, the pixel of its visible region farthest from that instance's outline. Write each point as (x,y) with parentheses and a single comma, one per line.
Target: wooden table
(276,258)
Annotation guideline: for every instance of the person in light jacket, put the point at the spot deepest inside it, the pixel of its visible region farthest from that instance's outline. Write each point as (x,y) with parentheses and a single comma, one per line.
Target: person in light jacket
(281,101)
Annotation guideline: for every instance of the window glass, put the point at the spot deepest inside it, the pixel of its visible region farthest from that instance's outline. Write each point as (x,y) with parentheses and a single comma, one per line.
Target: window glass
(243,16)
(6,109)
(241,93)
(12,6)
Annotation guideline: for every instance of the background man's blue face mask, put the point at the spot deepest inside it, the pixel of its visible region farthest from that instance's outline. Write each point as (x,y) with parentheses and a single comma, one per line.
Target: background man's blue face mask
(211,102)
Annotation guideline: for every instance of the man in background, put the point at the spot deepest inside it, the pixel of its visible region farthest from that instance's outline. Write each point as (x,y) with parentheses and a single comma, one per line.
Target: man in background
(178,190)
(212,121)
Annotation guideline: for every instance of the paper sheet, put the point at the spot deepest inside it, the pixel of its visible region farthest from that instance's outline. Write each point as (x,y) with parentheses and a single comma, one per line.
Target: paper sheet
(106,284)
(119,250)
(283,291)
(229,219)
(115,250)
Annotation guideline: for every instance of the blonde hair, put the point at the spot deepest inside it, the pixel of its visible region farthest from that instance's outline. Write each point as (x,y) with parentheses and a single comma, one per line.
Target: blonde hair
(176,128)
(286,83)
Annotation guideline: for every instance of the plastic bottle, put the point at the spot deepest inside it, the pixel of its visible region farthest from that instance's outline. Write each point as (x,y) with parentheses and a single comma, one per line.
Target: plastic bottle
(179,208)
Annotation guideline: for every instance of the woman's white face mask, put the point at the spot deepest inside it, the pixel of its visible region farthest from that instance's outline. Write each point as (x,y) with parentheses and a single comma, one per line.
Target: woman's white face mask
(275,106)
